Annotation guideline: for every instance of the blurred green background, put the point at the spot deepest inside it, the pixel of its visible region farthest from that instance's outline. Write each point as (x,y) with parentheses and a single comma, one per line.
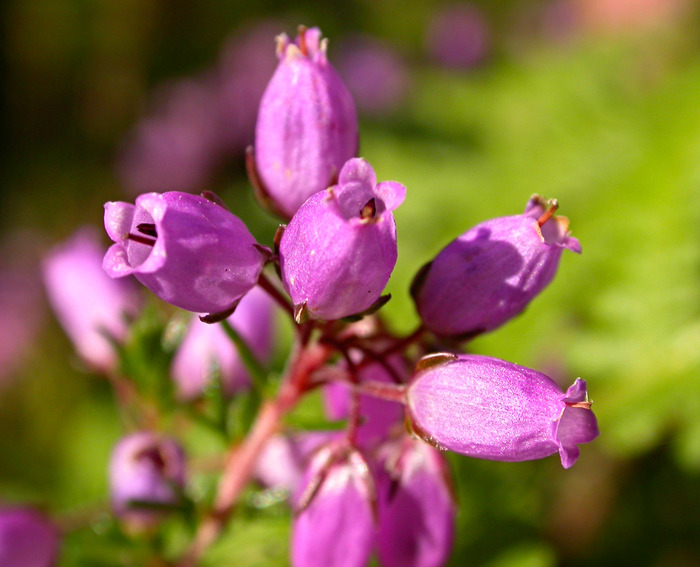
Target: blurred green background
(594,102)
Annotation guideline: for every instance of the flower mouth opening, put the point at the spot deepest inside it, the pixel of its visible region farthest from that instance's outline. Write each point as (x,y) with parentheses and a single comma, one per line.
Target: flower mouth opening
(141,239)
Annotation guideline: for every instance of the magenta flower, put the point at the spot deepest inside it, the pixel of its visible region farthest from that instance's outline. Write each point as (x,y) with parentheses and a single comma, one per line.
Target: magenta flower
(490,273)
(145,469)
(491,409)
(186,249)
(285,458)
(336,528)
(307,124)
(27,539)
(378,416)
(339,250)
(416,508)
(206,349)
(89,305)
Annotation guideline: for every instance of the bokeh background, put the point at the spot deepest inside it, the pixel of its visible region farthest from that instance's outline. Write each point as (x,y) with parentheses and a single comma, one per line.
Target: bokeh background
(474,107)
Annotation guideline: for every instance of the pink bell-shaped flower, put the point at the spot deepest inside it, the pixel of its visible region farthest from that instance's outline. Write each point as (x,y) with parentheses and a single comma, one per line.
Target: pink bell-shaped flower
(339,250)
(307,124)
(416,508)
(335,528)
(206,349)
(492,409)
(89,304)
(489,274)
(145,469)
(186,249)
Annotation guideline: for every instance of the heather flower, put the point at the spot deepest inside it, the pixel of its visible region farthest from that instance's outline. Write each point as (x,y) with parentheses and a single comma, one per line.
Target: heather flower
(490,273)
(27,539)
(416,508)
(337,253)
(186,249)
(377,416)
(145,469)
(491,409)
(336,527)
(206,351)
(285,458)
(307,124)
(89,305)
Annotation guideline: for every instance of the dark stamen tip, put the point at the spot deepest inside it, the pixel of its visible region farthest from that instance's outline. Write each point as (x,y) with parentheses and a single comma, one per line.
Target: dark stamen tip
(369,210)
(140,239)
(147,228)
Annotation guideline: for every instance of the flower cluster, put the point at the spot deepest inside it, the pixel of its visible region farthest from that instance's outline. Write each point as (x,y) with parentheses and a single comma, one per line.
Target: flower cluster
(375,486)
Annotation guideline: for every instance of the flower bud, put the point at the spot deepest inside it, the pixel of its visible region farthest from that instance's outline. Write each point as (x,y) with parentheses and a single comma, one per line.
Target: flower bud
(336,527)
(187,250)
(27,539)
(490,273)
(492,409)
(207,351)
(416,508)
(145,469)
(307,124)
(88,303)
(338,251)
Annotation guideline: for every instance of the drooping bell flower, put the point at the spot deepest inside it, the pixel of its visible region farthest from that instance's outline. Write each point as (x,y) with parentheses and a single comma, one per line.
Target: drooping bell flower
(307,124)
(339,250)
(27,539)
(145,469)
(186,249)
(206,351)
(89,304)
(416,507)
(489,274)
(377,416)
(335,528)
(492,409)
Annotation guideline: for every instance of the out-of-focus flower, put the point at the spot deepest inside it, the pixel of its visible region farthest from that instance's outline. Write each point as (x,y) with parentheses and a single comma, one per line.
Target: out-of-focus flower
(336,528)
(176,146)
(489,274)
(375,73)
(146,475)
(458,36)
(207,351)
(377,416)
(187,250)
(416,508)
(491,409)
(339,250)
(27,539)
(307,124)
(285,458)
(88,303)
